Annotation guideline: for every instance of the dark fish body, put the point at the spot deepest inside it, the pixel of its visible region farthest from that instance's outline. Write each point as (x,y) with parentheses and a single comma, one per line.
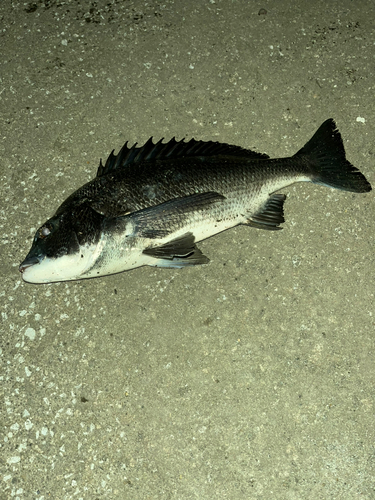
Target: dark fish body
(150,205)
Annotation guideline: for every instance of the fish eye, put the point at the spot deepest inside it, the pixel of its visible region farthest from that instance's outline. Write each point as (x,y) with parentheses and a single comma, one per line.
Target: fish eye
(44,232)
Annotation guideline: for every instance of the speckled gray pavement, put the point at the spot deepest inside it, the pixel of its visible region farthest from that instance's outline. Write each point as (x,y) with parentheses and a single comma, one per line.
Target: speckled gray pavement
(249,378)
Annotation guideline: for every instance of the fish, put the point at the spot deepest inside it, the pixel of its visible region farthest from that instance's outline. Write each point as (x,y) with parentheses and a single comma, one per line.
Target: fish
(150,205)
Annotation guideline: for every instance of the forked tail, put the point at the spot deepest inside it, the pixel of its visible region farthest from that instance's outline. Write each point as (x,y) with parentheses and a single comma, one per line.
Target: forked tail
(326,154)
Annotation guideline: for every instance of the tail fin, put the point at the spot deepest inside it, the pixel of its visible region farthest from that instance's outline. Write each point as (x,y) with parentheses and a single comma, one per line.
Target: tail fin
(326,155)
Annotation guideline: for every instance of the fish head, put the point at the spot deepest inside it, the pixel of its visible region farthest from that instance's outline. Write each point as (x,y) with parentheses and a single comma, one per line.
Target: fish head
(64,246)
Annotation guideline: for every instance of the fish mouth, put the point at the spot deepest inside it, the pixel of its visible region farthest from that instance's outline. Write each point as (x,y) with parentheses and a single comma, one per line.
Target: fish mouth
(28,262)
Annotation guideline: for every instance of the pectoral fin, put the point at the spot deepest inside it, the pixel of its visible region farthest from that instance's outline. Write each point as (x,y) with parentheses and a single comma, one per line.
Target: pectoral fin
(159,221)
(163,219)
(176,253)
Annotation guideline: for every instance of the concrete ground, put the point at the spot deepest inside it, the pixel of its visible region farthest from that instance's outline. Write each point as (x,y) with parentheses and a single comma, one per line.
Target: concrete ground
(251,377)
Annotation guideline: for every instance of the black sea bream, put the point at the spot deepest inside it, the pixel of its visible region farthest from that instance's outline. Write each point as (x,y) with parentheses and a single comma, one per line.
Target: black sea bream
(150,205)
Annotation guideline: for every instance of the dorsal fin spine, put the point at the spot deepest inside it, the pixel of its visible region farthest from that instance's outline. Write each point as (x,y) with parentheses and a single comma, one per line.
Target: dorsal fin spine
(171,149)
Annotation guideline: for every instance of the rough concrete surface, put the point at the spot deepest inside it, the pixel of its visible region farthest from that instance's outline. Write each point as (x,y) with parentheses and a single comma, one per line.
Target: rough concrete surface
(251,377)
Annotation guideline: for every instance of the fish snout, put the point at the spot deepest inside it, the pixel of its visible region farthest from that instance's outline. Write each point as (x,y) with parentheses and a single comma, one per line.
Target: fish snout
(30,261)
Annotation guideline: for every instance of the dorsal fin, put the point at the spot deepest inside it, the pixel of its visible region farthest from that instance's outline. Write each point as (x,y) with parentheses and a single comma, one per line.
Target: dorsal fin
(171,149)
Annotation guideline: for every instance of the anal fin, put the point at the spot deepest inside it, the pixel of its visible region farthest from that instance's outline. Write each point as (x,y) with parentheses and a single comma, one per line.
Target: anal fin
(271,215)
